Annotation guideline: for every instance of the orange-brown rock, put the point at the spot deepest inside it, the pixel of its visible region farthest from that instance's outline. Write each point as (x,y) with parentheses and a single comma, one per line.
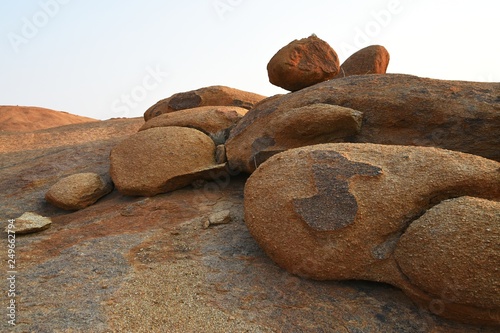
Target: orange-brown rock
(208,96)
(372,59)
(337,211)
(452,253)
(215,121)
(296,127)
(135,264)
(78,191)
(31,118)
(303,63)
(397,109)
(160,160)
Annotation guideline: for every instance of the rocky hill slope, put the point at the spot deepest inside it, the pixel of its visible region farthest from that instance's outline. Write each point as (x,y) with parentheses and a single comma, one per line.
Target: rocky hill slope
(31,118)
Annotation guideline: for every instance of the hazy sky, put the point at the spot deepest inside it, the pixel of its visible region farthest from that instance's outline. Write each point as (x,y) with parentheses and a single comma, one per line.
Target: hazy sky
(106,59)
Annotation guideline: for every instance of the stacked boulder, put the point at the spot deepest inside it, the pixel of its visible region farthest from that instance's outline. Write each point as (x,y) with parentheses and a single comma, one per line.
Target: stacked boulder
(208,96)
(372,59)
(182,141)
(308,61)
(389,109)
(303,63)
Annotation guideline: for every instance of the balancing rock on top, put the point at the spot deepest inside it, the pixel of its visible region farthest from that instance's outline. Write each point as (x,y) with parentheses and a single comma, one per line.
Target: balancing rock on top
(372,59)
(303,63)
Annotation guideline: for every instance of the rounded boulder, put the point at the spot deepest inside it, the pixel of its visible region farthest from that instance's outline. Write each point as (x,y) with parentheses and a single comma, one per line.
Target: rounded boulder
(452,253)
(160,160)
(372,59)
(215,121)
(303,63)
(78,191)
(337,211)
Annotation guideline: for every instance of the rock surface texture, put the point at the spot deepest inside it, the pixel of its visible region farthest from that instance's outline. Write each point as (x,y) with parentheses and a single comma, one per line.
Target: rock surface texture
(161,159)
(208,96)
(459,262)
(397,109)
(372,59)
(337,211)
(135,264)
(215,121)
(78,191)
(303,63)
(73,134)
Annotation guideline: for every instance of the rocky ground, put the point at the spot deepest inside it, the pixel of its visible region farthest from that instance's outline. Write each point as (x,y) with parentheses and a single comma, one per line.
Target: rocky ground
(136,264)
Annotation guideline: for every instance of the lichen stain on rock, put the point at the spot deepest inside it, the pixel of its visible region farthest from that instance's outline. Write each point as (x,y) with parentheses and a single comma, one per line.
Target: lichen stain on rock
(333,207)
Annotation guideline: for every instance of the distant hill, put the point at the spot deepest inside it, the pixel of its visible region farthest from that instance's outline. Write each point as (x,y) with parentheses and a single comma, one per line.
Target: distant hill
(31,118)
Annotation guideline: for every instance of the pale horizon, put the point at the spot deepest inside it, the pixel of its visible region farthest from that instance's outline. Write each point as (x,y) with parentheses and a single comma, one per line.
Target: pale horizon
(115,59)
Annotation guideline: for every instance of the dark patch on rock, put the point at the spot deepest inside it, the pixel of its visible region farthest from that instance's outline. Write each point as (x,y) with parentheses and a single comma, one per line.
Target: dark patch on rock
(384,250)
(262,143)
(242,104)
(185,100)
(264,155)
(334,207)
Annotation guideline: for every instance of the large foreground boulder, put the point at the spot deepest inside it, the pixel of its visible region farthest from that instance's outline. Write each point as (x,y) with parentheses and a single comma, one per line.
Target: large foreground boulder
(208,96)
(337,211)
(397,109)
(303,63)
(215,121)
(160,160)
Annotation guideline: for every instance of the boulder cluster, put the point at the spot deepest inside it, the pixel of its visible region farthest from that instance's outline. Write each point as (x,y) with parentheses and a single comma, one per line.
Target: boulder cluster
(355,174)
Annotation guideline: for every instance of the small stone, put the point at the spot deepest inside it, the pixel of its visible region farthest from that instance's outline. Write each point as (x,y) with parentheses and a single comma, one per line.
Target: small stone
(222,217)
(30,222)
(220,154)
(78,191)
